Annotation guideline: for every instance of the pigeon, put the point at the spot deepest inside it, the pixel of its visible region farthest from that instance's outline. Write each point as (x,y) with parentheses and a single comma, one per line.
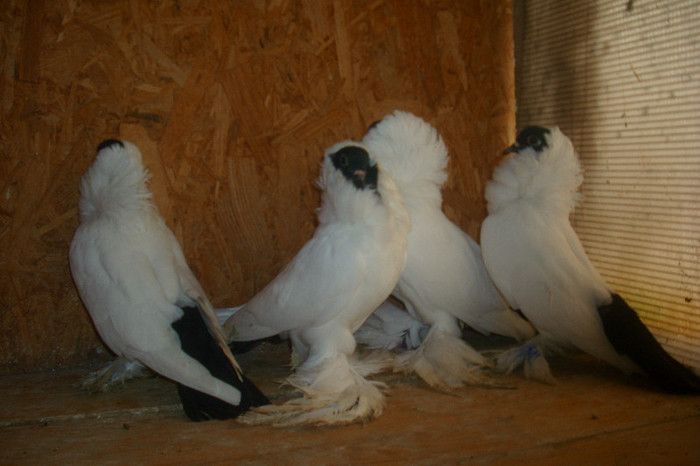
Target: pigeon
(444,281)
(338,278)
(539,264)
(145,302)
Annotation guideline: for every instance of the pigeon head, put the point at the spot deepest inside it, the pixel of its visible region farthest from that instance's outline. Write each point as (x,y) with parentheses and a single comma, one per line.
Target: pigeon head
(356,166)
(374,125)
(120,149)
(532,137)
(110,143)
(115,182)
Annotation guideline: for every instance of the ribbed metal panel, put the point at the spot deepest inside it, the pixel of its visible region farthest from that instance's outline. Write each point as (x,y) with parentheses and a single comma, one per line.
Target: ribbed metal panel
(622,79)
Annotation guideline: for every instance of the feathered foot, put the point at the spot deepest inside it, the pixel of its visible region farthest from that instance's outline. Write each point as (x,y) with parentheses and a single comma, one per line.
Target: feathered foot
(529,356)
(335,393)
(446,363)
(115,372)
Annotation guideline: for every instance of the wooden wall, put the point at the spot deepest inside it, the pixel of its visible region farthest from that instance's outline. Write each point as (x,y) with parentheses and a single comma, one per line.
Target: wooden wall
(232,104)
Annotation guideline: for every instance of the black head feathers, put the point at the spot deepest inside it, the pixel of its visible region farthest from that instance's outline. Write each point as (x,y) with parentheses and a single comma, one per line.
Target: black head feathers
(356,166)
(109,143)
(533,137)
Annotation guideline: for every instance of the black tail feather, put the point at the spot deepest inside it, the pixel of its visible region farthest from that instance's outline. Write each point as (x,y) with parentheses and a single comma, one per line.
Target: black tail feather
(199,406)
(629,336)
(197,342)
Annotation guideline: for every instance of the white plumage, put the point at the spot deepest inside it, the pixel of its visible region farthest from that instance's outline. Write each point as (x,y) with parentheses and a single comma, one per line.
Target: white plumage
(143,298)
(538,263)
(444,280)
(328,290)
(391,328)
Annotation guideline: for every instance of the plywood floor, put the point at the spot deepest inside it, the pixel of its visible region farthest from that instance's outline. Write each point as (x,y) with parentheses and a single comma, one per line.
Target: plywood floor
(592,416)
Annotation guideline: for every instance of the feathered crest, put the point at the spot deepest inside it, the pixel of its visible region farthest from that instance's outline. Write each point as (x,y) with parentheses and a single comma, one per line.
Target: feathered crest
(550,178)
(115,182)
(411,152)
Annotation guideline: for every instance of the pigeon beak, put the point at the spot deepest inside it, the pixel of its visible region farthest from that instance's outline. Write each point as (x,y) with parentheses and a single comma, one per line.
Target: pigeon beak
(360,174)
(515,148)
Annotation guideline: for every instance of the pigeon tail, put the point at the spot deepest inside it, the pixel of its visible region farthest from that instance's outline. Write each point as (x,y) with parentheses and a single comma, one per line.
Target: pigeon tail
(197,341)
(199,406)
(630,337)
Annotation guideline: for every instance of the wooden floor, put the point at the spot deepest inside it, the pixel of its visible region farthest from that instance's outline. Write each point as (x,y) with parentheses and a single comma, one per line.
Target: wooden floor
(592,416)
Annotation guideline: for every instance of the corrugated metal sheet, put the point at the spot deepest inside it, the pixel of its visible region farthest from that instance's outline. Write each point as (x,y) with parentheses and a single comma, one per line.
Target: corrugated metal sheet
(622,79)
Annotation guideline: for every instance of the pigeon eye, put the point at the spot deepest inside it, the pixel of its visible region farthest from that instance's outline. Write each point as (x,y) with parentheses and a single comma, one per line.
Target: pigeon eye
(533,140)
(344,161)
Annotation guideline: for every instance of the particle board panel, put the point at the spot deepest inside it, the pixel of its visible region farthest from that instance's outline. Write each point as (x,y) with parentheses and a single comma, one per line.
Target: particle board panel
(233,104)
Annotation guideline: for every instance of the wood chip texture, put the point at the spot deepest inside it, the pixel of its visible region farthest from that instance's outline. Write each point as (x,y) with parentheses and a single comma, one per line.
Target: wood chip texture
(232,105)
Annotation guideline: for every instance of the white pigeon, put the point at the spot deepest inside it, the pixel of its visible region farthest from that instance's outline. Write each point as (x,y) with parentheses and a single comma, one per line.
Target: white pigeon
(538,263)
(143,298)
(444,280)
(342,274)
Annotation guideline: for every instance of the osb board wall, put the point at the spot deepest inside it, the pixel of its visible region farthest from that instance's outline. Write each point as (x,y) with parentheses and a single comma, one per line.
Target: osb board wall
(232,104)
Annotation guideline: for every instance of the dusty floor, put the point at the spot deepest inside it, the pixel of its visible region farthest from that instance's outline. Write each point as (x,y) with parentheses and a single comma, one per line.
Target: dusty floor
(592,416)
